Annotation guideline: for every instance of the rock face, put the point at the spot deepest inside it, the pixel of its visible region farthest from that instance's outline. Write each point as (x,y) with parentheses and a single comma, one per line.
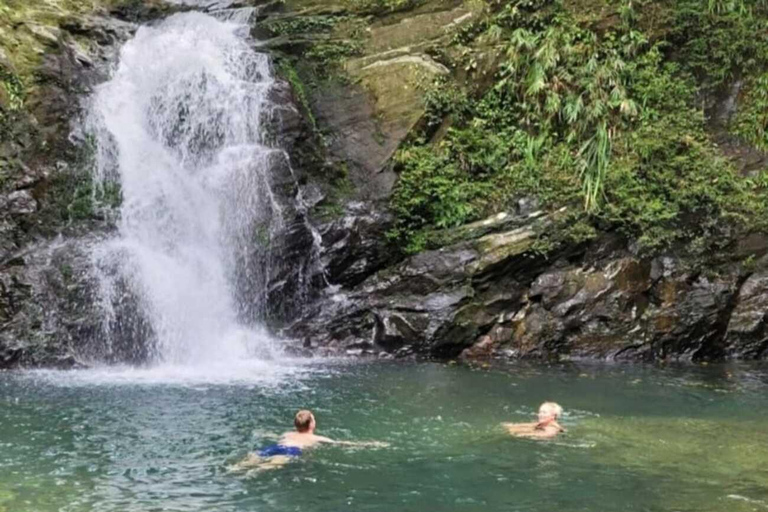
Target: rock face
(488,293)
(392,74)
(491,296)
(354,246)
(375,96)
(49,311)
(747,332)
(46,216)
(360,109)
(337,284)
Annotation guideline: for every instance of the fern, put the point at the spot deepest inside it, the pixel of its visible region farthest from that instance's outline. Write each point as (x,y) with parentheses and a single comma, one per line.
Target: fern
(596,155)
(564,61)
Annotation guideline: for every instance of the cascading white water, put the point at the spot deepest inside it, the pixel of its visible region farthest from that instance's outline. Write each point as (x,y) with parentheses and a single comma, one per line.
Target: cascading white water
(221,9)
(180,128)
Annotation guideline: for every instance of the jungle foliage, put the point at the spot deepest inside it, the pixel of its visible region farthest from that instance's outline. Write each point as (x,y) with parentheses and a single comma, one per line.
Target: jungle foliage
(605,118)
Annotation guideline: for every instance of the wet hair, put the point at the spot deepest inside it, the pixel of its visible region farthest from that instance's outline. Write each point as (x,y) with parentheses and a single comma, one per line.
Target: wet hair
(303,420)
(549,409)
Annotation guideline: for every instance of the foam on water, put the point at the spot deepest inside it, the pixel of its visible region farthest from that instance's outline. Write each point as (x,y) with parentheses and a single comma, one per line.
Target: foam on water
(180,128)
(249,372)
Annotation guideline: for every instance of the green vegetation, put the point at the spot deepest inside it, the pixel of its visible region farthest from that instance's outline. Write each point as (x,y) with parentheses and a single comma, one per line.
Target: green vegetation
(288,72)
(73,194)
(385,5)
(328,40)
(338,193)
(603,117)
(301,25)
(751,123)
(719,40)
(326,55)
(12,93)
(12,99)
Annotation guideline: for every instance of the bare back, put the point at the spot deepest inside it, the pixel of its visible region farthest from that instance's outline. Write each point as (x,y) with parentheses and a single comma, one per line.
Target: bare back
(302,439)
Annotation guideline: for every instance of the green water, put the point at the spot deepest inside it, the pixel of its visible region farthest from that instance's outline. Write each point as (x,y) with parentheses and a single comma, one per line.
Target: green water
(639,439)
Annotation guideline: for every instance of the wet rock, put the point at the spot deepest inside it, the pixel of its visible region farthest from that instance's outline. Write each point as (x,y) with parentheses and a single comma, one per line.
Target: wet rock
(754,246)
(355,245)
(434,302)
(146,10)
(377,98)
(48,314)
(686,318)
(483,348)
(21,202)
(44,313)
(397,330)
(747,334)
(491,296)
(348,114)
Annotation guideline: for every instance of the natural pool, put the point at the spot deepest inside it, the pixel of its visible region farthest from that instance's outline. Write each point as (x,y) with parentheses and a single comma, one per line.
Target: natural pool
(640,438)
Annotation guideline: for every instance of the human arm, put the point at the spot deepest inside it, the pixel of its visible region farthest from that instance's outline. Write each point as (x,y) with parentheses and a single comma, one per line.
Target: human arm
(376,444)
(547,430)
(517,429)
(370,444)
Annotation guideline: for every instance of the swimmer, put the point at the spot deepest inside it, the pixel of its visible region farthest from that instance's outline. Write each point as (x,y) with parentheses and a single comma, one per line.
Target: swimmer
(546,428)
(292,444)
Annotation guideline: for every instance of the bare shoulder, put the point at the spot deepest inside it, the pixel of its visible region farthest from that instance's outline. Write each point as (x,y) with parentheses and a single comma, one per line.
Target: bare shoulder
(288,436)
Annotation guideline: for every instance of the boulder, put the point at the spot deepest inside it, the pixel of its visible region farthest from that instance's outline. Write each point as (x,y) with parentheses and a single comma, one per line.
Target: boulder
(747,333)
(434,302)
(355,245)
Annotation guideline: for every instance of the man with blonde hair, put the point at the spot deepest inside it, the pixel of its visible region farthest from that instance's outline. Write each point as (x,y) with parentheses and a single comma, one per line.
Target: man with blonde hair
(546,428)
(292,443)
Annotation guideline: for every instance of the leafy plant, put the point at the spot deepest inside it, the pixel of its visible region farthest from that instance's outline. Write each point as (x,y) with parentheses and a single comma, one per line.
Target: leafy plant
(431,190)
(751,121)
(717,42)
(288,71)
(601,117)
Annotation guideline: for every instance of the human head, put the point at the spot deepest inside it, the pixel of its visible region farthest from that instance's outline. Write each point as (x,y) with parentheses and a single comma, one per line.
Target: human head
(549,411)
(304,421)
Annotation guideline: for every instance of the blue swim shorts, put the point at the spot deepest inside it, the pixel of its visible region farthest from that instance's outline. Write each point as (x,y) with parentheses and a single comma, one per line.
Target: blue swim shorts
(279,449)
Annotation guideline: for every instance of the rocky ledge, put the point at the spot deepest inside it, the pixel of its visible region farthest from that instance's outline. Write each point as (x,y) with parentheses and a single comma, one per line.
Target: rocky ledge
(493,295)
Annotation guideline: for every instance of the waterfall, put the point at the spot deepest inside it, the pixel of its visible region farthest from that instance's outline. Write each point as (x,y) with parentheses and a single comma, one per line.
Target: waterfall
(180,127)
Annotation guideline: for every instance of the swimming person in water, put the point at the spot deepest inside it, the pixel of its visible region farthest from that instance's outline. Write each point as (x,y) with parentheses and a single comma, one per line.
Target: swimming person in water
(546,427)
(292,444)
